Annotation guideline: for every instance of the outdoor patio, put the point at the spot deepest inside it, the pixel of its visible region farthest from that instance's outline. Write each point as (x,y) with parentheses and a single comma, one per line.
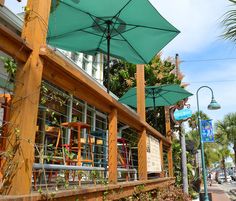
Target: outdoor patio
(76,140)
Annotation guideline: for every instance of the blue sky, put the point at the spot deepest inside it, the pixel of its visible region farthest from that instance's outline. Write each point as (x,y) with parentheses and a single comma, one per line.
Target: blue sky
(199,23)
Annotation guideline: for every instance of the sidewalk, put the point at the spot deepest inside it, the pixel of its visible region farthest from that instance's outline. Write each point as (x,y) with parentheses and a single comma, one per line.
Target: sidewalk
(217,193)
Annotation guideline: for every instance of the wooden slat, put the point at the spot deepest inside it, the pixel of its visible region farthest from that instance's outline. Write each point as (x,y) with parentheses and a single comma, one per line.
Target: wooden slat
(112,147)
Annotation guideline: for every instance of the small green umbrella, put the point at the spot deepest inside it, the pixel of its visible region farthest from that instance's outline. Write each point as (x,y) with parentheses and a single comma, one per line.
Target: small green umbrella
(164,95)
(131,30)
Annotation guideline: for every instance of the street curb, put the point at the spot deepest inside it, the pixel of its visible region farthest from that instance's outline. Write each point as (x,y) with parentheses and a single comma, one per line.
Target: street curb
(233,192)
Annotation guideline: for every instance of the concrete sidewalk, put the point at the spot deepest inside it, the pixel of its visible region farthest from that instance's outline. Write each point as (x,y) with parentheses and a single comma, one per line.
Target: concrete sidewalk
(217,193)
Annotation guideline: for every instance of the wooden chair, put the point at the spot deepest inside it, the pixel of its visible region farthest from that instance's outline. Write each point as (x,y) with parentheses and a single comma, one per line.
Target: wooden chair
(77,144)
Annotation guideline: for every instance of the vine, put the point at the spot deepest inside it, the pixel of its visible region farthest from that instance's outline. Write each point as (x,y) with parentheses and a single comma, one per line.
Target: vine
(10,66)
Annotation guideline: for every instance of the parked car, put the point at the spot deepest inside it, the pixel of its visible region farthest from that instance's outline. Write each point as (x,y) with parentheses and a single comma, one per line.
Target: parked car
(233,176)
(220,178)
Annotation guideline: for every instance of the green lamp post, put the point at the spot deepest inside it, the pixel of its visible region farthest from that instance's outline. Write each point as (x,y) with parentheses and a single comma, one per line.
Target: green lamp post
(212,106)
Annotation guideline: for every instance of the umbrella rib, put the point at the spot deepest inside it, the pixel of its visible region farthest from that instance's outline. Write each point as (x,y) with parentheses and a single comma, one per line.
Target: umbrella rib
(73,31)
(161,29)
(118,13)
(166,99)
(179,92)
(114,35)
(104,33)
(79,10)
(116,16)
(132,47)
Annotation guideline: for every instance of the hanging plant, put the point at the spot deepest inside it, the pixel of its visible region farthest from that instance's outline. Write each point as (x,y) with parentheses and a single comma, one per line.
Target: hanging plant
(10,66)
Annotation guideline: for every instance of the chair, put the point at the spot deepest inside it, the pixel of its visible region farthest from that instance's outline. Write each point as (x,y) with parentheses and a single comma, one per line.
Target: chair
(78,144)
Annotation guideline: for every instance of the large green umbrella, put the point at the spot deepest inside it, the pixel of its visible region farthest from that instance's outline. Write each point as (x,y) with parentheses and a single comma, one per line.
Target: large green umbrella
(132,30)
(164,95)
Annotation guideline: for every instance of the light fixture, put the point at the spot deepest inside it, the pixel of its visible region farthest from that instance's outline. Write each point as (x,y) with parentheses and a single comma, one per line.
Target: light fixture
(213,105)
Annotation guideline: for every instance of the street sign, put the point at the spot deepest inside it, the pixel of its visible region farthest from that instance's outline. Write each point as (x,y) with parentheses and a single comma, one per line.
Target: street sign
(207,131)
(181,115)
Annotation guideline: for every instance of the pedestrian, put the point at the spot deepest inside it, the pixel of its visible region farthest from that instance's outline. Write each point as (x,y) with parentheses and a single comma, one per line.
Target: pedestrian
(209,178)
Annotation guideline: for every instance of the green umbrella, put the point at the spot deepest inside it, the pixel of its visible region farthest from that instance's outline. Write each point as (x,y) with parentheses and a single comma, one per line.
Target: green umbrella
(164,95)
(131,30)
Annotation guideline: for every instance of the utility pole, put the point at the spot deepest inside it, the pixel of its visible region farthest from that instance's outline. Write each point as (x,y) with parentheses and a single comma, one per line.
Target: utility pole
(182,141)
(183,160)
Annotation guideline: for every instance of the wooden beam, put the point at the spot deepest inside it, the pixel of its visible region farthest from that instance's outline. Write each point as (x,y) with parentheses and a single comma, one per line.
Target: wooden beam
(14,45)
(98,193)
(2,2)
(112,147)
(25,103)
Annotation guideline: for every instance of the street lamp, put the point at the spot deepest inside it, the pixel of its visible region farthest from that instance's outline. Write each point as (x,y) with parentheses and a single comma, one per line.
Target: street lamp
(212,106)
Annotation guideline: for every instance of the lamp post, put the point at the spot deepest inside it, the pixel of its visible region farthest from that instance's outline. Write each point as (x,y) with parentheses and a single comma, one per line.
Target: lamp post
(212,106)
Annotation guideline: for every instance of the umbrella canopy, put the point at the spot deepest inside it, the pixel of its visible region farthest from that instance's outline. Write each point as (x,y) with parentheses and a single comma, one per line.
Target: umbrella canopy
(131,30)
(134,27)
(164,95)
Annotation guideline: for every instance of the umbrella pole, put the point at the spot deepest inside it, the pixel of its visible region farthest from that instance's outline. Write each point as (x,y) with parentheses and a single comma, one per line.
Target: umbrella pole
(108,54)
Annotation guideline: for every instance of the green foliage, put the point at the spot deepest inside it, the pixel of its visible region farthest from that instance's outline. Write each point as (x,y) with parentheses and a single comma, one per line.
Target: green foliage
(193,121)
(176,149)
(229,23)
(69,154)
(157,72)
(123,75)
(10,66)
(94,175)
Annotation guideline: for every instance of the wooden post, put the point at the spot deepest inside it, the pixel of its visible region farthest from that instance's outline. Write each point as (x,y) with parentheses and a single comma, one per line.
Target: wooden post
(25,102)
(168,136)
(161,157)
(142,144)
(112,147)
(140,77)
(170,162)
(2,2)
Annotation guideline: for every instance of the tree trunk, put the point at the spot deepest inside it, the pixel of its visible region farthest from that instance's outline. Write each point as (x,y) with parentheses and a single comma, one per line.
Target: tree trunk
(224,168)
(235,152)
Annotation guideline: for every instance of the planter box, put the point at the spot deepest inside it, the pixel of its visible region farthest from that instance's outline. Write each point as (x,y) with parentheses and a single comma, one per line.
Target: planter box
(201,196)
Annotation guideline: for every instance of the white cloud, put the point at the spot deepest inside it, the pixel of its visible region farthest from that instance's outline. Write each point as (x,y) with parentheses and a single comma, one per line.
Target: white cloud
(198,21)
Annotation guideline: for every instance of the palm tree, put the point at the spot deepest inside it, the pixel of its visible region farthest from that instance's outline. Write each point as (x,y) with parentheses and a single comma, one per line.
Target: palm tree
(228,127)
(223,150)
(193,121)
(229,23)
